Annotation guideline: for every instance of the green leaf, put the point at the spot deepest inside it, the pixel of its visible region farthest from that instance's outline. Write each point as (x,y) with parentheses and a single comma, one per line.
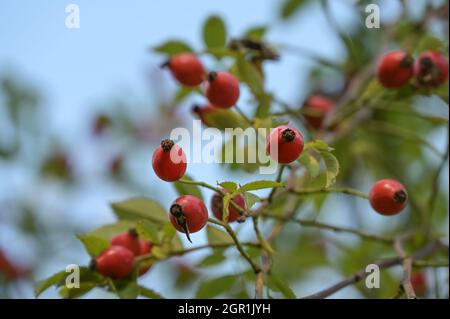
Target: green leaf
(225,118)
(149,293)
(71,293)
(276,283)
(319,145)
(311,164)
(217,236)
(255,33)
(170,236)
(250,199)
(127,289)
(139,208)
(252,186)
(429,43)
(188,189)
(109,231)
(173,47)
(249,74)
(216,286)
(44,284)
(332,166)
(94,245)
(231,186)
(290,7)
(148,231)
(214,32)
(215,258)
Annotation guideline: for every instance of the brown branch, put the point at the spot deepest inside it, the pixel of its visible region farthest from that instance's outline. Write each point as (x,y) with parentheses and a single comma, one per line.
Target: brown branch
(407,267)
(425,251)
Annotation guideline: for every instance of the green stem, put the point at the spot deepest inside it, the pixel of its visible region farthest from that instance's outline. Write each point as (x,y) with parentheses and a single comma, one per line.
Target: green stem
(343,190)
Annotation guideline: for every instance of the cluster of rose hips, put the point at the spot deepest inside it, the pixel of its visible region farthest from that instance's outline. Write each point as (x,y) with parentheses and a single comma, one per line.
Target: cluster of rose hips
(188,214)
(395,69)
(118,261)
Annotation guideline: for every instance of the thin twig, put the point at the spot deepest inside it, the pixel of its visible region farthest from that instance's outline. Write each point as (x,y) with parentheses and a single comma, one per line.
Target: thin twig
(407,268)
(425,251)
(313,223)
(343,190)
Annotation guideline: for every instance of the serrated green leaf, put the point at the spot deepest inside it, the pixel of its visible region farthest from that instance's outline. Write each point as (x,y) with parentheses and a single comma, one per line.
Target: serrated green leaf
(231,186)
(148,231)
(173,47)
(94,245)
(214,32)
(214,287)
(217,236)
(276,283)
(250,75)
(139,208)
(188,189)
(262,184)
(332,167)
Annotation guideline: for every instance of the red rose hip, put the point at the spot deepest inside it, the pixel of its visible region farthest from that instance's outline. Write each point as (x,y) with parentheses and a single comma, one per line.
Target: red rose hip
(188,214)
(431,69)
(129,240)
(187,69)
(145,248)
(395,69)
(169,161)
(222,89)
(217,206)
(319,106)
(388,197)
(115,262)
(284,144)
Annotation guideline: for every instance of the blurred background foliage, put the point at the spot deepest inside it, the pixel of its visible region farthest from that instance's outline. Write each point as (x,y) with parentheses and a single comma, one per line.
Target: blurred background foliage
(47,181)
